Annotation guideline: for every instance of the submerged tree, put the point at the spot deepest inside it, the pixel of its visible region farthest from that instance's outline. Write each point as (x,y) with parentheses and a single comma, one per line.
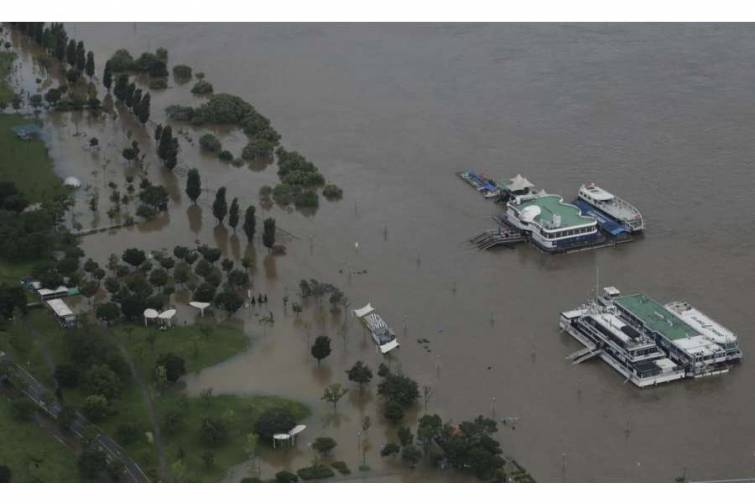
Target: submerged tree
(193,185)
(220,206)
(250,222)
(268,233)
(333,393)
(89,67)
(107,76)
(321,348)
(121,87)
(81,57)
(360,373)
(233,214)
(141,109)
(167,148)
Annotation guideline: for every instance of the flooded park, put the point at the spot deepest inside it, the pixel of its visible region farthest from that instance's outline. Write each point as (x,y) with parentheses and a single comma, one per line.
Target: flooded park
(390,113)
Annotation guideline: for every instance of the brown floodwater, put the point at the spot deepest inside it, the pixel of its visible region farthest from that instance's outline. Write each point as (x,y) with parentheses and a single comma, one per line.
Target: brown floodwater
(661,114)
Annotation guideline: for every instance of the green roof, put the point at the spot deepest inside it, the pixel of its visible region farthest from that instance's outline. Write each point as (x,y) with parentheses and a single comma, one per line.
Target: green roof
(551,205)
(655,316)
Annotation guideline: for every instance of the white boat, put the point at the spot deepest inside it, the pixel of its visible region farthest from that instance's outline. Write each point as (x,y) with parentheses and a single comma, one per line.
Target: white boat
(381,333)
(612,206)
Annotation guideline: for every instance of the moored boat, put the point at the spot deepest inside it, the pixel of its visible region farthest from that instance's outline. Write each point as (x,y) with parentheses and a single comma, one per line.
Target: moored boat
(612,206)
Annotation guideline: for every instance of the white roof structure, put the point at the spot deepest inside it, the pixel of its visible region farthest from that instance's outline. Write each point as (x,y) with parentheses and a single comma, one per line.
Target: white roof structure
(529,213)
(167,314)
(665,363)
(72,182)
(60,308)
(519,183)
(702,323)
(150,313)
(365,310)
(698,345)
(611,291)
(282,436)
(50,292)
(597,193)
(199,305)
(613,324)
(297,430)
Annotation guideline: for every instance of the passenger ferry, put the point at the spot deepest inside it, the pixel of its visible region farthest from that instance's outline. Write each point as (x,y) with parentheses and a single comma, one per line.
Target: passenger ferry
(649,343)
(614,207)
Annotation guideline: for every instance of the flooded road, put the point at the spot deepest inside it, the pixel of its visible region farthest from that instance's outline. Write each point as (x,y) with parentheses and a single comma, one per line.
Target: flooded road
(663,115)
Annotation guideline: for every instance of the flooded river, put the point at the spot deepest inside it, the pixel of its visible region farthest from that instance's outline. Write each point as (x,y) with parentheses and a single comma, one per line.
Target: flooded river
(663,115)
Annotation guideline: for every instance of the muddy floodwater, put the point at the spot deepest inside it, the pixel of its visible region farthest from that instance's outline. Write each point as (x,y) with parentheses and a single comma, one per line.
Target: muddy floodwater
(663,115)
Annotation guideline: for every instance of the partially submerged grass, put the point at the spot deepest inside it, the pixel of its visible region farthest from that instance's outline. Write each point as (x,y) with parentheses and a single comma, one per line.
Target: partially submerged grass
(26,163)
(6,66)
(200,346)
(13,272)
(238,413)
(32,455)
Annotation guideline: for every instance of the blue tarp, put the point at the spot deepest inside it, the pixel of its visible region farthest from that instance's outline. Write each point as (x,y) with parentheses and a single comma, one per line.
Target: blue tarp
(606,223)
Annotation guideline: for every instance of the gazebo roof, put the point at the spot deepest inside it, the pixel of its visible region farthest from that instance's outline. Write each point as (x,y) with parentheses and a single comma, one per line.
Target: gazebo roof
(519,183)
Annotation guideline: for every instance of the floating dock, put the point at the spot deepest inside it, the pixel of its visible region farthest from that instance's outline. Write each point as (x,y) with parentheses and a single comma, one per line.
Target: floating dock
(381,333)
(484,185)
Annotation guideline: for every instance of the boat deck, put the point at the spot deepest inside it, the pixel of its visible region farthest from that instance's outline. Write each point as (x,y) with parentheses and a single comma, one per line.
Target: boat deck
(656,316)
(551,205)
(619,209)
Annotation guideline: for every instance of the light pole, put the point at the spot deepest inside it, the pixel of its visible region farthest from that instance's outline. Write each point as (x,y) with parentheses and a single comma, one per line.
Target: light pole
(563,466)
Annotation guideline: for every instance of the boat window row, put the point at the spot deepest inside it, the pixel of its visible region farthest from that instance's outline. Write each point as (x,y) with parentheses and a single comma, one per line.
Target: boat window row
(554,235)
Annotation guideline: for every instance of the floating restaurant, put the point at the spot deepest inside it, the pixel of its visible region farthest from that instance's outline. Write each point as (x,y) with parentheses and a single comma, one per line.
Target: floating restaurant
(649,343)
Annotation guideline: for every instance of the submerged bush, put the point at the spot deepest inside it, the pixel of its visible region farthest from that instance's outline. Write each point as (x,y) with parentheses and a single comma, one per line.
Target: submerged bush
(121,61)
(202,88)
(341,467)
(210,143)
(315,472)
(332,192)
(158,83)
(303,178)
(258,149)
(182,72)
(283,194)
(179,113)
(306,199)
(226,156)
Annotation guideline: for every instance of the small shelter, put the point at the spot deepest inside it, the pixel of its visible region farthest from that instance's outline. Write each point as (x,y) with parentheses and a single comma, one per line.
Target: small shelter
(289,436)
(199,306)
(166,317)
(519,185)
(149,314)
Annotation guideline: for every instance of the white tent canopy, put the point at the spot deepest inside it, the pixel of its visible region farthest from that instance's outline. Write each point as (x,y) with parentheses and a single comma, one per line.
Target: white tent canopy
(72,182)
(297,430)
(199,305)
(167,314)
(149,313)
